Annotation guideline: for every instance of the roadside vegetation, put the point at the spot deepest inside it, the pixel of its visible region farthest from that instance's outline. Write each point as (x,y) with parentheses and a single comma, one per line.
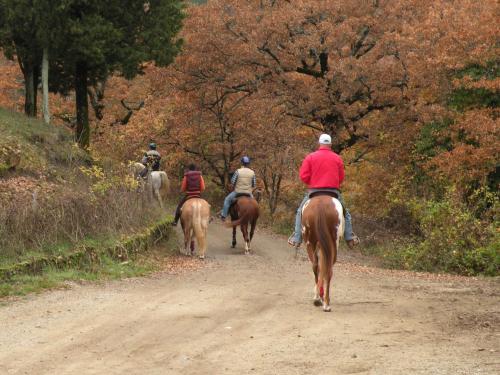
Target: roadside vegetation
(413,109)
(57,199)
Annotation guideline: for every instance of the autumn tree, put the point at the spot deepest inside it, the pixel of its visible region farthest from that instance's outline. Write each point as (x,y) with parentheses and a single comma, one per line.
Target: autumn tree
(254,69)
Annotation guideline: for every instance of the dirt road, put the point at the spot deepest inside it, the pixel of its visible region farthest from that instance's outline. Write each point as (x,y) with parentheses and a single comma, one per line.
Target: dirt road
(254,315)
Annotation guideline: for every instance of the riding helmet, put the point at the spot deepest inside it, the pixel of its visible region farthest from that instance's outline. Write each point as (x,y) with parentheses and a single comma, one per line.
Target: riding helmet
(245,160)
(152,146)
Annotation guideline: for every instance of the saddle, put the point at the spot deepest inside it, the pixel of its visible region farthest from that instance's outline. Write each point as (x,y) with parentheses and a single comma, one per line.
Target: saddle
(327,193)
(239,195)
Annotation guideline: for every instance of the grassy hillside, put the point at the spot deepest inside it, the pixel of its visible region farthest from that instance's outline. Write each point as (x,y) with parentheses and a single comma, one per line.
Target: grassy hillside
(28,146)
(55,196)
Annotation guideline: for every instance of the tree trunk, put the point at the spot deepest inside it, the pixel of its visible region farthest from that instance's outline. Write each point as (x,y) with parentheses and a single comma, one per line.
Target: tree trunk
(45,86)
(30,90)
(82,105)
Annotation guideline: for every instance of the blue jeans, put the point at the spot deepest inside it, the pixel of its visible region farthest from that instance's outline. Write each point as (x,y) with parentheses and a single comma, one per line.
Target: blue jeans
(227,203)
(297,234)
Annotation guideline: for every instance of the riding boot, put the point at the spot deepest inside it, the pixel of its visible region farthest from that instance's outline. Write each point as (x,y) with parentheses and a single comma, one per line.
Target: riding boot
(178,210)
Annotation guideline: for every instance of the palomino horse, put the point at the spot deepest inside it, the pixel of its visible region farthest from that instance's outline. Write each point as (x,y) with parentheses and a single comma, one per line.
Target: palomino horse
(157,182)
(194,220)
(243,212)
(322,228)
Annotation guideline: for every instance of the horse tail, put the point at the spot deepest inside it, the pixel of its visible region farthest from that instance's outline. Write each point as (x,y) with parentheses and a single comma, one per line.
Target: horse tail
(326,242)
(200,225)
(165,183)
(235,223)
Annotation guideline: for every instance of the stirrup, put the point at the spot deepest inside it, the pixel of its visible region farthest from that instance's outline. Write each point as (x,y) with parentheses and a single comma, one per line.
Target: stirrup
(354,241)
(292,243)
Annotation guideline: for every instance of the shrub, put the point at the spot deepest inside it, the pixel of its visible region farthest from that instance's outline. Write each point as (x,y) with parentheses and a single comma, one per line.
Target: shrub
(452,239)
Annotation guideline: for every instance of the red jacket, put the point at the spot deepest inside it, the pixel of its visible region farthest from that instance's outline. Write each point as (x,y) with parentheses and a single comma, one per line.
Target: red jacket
(322,169)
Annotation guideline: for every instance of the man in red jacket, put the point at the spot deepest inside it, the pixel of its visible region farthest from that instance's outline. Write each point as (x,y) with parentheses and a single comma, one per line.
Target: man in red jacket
(323,170)
(192,185)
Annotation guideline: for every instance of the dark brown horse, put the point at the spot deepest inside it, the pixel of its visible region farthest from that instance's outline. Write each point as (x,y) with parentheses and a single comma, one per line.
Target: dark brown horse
(322,227)
(243,212)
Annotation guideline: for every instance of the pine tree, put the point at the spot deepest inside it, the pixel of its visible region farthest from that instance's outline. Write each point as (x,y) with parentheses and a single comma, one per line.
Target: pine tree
(87,40)
(115,36)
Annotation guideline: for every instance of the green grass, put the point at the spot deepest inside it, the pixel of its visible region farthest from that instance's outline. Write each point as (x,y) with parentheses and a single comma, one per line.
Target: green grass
(58,249)
(105,267)
(108,269)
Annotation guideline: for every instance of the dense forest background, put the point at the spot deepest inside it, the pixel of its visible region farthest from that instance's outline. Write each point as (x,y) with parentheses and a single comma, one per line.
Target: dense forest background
(408,89)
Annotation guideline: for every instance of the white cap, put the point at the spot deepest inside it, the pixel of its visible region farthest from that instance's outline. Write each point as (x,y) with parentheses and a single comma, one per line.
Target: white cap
(325,139)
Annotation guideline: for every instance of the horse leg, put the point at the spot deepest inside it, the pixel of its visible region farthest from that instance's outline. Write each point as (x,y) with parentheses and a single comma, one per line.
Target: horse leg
(244,231)
(187,239)
(253,224)
(158,197)
(313,257)
(326,299)
(233,243)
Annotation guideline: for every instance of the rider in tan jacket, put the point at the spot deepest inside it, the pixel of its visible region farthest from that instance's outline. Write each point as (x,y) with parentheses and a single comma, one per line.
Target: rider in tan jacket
(244,181)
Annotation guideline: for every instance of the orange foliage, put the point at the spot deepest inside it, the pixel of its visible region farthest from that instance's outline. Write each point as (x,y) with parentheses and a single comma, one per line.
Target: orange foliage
(264,78)
(11,85)
(476,149)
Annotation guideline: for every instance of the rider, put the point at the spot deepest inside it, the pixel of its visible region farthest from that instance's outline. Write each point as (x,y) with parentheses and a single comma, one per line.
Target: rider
(151,160)
(323,170)
(243,181)
(192,184)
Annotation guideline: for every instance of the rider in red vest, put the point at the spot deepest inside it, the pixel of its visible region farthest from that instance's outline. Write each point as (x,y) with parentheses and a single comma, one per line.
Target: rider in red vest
(192,184)
(323,170)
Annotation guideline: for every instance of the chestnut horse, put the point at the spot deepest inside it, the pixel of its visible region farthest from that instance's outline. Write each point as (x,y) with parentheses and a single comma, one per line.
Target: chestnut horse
(322,228)
(194,220)
(243,212)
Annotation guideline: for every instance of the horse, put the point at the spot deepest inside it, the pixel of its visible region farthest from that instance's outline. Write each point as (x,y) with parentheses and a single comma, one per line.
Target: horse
(157,182)
(243,212)
(322,228)
(195,217)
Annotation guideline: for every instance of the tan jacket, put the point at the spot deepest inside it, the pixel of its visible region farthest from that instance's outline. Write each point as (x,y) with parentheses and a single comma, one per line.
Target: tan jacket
(246,181)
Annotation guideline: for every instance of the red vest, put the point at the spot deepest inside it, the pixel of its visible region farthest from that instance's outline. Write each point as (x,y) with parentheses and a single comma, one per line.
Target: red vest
(193,181)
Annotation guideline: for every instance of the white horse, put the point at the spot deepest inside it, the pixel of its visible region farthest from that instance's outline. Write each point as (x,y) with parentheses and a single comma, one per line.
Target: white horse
(157,182)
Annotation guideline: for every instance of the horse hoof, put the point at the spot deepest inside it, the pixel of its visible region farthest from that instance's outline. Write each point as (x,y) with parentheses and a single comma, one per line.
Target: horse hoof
(202,257)
(327,308)
(247,252)
(318,302)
